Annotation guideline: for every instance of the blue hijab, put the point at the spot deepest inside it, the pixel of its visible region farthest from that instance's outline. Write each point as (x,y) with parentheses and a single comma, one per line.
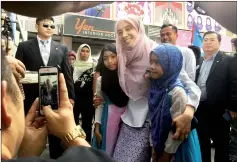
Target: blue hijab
(171,60)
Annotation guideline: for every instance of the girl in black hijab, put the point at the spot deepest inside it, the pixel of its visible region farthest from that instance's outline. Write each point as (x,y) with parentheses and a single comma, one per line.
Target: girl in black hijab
(107,115)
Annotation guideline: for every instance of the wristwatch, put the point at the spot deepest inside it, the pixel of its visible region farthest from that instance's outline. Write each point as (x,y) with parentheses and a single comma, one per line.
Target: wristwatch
(77,132)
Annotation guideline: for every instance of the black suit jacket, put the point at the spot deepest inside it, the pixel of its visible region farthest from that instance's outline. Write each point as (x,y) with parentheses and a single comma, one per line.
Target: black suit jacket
(29,53)
(233,84)
(217,84)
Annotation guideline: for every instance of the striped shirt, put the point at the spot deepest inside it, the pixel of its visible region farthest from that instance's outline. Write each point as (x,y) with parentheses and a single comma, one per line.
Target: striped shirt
(204,73)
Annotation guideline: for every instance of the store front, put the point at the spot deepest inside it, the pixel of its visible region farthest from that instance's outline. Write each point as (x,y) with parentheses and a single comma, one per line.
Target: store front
(93,31)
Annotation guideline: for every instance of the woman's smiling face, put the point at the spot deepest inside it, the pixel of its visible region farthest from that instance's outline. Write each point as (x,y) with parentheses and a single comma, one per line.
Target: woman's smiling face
(127,34)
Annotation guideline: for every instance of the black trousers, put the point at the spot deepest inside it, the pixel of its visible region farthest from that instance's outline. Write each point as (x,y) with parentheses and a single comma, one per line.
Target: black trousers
(87,111)
(212,125)
(55,149)
(31,93)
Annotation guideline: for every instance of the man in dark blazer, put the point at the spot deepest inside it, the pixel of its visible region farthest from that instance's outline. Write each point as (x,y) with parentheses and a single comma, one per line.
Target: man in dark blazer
(213,79)
(43,51)
(233,104)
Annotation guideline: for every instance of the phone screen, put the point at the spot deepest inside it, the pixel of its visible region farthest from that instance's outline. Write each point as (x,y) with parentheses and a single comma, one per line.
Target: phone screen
(48,89)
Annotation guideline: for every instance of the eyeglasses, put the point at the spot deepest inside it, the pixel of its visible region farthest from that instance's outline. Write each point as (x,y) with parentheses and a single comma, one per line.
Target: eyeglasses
(51,26)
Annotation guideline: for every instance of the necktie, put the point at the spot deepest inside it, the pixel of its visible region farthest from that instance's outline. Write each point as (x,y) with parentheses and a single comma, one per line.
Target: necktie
(44,51)
(44,42)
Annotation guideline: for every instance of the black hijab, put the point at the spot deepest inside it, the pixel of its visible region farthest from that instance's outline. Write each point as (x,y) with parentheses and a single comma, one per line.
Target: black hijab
(110,81)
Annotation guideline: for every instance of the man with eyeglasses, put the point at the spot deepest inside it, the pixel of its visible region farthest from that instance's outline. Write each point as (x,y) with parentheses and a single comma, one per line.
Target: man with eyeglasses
(43,51)
(215,76)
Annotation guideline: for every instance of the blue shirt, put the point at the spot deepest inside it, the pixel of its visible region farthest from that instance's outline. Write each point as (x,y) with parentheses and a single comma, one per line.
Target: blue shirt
(204,73)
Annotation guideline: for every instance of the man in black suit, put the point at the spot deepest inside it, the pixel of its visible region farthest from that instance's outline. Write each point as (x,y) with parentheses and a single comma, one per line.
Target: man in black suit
(213,80)
(43,51)
(233,104)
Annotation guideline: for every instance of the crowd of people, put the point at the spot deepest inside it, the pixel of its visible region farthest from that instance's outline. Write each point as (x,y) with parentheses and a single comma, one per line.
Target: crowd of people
(149,101)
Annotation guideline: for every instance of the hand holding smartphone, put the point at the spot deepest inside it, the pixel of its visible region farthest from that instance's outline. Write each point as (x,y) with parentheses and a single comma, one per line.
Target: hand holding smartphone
(48,87)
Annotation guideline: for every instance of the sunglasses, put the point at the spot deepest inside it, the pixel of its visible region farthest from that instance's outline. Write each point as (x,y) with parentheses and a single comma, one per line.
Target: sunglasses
(51,26)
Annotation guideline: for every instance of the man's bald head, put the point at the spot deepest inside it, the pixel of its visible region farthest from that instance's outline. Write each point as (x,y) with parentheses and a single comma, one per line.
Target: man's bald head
(7,75)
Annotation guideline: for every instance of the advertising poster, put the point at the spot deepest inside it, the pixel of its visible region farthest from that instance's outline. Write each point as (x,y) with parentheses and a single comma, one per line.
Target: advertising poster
(169,13)
(226,45)
(184,38)
(204,23)
(100,11)
(142,9)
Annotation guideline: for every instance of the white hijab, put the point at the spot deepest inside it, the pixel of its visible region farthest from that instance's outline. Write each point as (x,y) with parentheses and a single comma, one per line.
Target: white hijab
(80,65)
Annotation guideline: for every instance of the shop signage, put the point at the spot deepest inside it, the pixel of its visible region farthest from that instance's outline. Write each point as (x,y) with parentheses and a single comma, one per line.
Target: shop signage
(90,27)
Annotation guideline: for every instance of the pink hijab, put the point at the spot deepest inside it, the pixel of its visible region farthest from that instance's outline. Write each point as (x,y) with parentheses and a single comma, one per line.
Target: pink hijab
(133,63)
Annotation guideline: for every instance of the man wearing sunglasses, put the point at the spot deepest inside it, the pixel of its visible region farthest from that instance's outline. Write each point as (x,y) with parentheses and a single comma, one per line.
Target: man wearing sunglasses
(43,51)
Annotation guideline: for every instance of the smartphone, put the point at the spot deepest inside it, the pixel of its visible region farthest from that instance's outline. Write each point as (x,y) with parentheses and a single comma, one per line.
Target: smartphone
(48,88)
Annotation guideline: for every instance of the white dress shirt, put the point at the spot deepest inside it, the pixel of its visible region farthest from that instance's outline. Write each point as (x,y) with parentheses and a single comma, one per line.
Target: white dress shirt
(45,50)
(189,62)
(204,73)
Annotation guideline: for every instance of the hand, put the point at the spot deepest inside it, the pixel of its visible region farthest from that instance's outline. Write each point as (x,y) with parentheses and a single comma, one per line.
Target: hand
(183,123)
(147,76)
(72,102)
(98,139)
(97,100)
(154,157)
(61,121)
(35,136)
(233,115)
(18,68)
(165,157)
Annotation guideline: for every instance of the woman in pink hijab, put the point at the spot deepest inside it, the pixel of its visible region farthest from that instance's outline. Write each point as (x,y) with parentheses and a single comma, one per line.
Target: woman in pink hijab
(133,49)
